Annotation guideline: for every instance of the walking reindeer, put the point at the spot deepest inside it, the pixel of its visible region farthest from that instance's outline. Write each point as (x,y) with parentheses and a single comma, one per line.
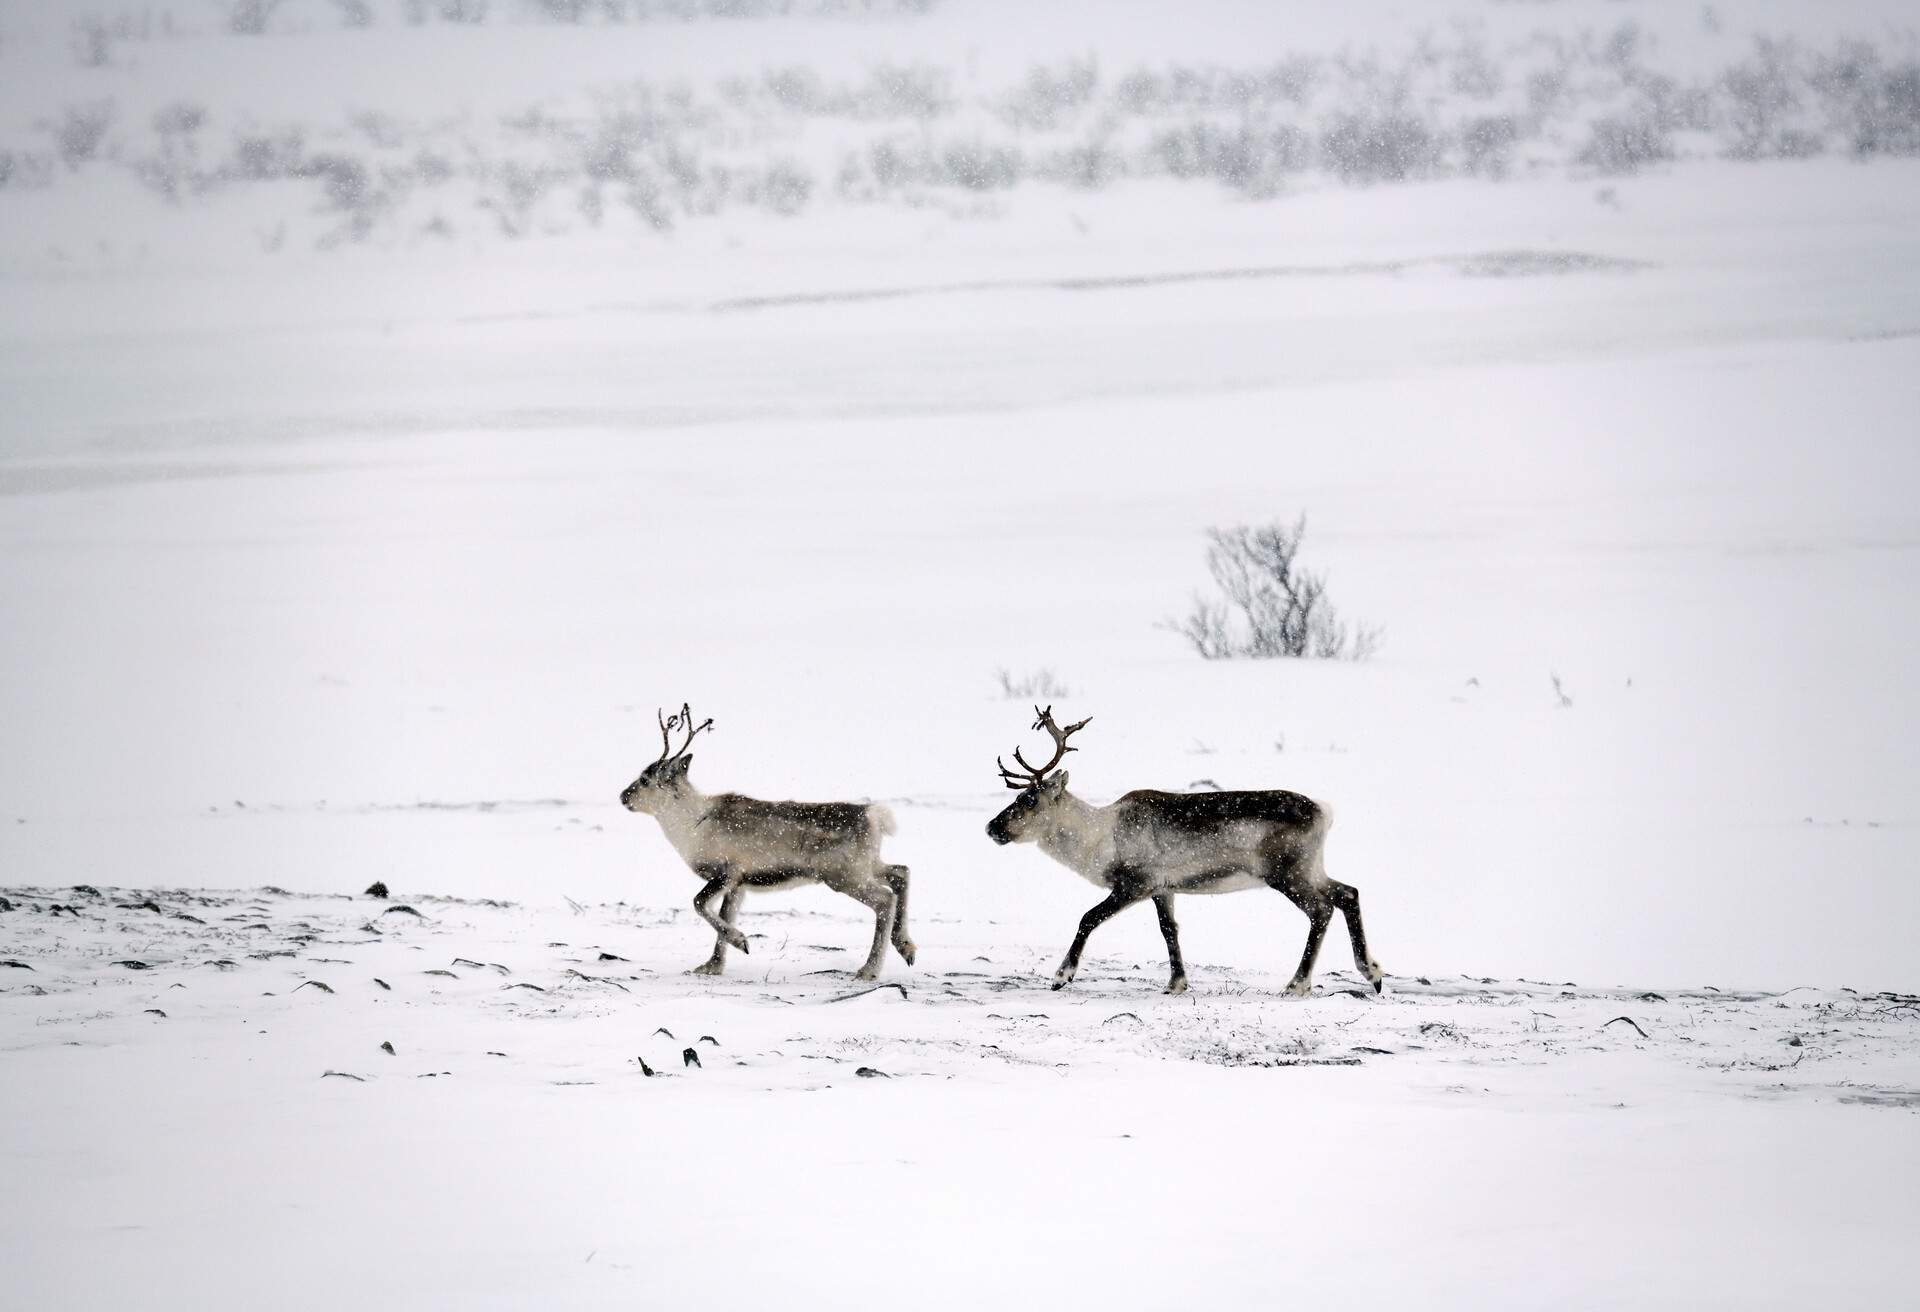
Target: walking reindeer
(1156,845)
(737,844)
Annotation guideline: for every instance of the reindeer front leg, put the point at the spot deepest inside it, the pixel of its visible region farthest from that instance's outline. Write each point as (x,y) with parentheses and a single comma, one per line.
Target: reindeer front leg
(1125,893)
(729,910)
(725,882)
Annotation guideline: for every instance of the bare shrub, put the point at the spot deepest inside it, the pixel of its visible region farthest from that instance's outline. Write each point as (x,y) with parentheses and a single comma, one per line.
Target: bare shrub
(264,156)
(250,17)
(1626,145)
(1761,94)
(1876,106)
(1250,160)
(25,170)
(1387,147)
(783,188)
(1486,145)
(92,41)
(978,165)
(1269,605)
(1050,96)
(80,130)
(1041,685)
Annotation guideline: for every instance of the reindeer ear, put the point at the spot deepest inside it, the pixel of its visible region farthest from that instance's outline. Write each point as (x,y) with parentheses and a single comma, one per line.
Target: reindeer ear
(1057,783)
(680,766)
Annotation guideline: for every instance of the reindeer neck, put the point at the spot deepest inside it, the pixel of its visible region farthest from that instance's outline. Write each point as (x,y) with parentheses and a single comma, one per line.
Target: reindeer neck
(1079,836)
(680,817)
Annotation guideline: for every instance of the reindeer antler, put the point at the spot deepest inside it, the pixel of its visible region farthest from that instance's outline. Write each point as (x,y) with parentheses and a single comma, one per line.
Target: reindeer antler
(1042,720)
(681,720)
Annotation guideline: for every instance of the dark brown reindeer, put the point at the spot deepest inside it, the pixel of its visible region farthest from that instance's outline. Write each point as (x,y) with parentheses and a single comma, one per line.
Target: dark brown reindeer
(737,844)
(1156,845)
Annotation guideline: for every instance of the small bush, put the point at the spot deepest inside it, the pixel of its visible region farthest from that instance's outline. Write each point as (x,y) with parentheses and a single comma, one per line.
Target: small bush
(1626,145)
(1041,685)
(1379,148)
(250,17)
(1486,145)
(80,130)
(1269,605)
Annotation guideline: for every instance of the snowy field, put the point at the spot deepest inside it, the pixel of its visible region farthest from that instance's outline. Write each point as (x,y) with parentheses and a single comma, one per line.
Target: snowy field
(354,535)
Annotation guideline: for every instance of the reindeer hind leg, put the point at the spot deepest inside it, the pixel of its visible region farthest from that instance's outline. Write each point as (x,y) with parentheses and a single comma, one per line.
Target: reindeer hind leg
(878,894)
(1288,873)
(896,877)
(1347,898)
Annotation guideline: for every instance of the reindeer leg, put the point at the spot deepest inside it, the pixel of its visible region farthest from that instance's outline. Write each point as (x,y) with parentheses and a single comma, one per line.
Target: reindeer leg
(1302,982)
(897,880)
(1125,893)
(729,909)
(1170,931)
(879,895)
(1347,898)
(720,879)
(1287,875)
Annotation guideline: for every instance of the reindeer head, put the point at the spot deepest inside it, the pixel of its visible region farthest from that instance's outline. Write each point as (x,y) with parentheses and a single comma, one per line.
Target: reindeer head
(1040,790)
(667,775)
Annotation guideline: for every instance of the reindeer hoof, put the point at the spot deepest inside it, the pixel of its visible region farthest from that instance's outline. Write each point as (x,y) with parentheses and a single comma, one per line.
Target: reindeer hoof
(1300,988)
(706,968)
(865,974)
(906,951)
(1178,984)
(739,940)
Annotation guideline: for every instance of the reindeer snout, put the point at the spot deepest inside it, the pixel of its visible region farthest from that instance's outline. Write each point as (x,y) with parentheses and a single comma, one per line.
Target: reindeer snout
(997,830)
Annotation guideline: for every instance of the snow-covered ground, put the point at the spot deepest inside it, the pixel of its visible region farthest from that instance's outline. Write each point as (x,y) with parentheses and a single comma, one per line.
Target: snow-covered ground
(372,562)
(202,1110)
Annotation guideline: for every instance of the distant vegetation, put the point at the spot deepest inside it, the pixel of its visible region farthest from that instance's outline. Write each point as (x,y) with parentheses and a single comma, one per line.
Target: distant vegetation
(1269,604)
(785,140)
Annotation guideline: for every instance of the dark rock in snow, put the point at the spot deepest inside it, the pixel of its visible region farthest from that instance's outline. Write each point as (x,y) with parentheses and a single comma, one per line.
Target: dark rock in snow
(387,1047)
(689,1058)
(376,889)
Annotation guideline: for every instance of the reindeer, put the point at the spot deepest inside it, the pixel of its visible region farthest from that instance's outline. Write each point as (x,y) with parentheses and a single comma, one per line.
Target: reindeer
(1156,845)
(740,843)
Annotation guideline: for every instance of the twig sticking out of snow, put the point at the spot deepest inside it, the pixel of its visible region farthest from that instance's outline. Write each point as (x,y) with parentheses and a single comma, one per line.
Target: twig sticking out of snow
(344,1075)
(861,993)
(1120,1015)
(1629,1020)
(324,988)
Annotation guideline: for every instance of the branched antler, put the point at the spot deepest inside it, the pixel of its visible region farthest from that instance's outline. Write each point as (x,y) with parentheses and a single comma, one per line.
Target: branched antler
(683,719)
(1027,776)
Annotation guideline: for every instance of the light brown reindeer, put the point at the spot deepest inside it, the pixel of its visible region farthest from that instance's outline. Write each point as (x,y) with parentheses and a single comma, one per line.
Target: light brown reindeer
(1156,845)
(737,844)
